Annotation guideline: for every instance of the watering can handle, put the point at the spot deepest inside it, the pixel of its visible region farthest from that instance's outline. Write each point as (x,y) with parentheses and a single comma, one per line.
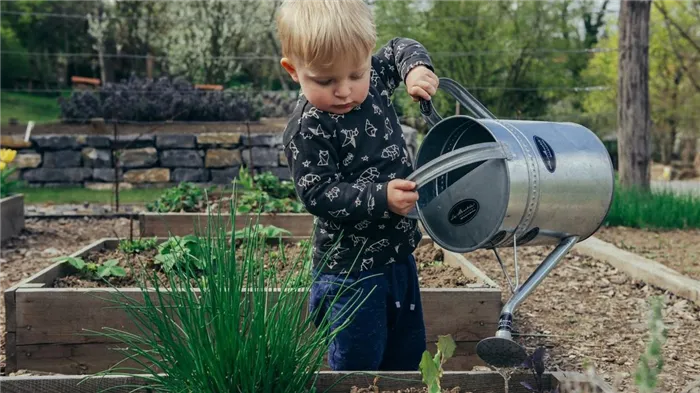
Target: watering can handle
(455,159)
(461,95)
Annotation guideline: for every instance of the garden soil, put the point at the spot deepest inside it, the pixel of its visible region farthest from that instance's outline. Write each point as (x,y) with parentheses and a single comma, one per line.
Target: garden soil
(586,312)
(677,249)
(41,241)
(432,272)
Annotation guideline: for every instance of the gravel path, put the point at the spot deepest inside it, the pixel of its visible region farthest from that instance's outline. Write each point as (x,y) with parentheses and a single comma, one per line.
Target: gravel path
(41,241)
(596,315)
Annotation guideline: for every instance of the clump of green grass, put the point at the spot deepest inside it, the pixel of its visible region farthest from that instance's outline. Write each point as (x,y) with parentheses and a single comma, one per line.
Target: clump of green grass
(653,209)
(233,333)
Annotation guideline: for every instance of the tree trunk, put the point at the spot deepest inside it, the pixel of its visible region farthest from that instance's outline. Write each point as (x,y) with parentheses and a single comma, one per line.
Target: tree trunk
(633,118)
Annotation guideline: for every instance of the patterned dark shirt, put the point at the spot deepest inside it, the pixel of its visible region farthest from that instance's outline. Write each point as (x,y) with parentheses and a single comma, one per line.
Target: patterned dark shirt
(341,165)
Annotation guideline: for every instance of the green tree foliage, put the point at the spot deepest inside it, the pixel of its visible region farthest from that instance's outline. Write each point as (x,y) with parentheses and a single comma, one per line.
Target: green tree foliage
(672,93)
(517,57)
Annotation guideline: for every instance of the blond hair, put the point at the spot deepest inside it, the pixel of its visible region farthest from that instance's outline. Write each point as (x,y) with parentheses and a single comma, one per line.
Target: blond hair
(319,32)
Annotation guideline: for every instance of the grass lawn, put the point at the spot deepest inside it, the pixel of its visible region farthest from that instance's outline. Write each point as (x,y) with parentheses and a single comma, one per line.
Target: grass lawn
(29,107)
(76,195)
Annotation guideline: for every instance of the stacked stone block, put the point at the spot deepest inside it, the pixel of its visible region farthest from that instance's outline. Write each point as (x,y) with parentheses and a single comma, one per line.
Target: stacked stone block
(161,159)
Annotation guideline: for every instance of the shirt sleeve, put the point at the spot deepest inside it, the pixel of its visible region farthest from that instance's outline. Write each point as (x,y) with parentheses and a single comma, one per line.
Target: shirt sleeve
(314,166)
(397,58)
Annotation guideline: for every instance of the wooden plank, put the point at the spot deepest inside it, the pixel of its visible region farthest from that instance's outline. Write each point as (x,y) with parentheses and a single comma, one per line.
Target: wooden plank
(643,269)
(78,359)
(468,269)
(10,352)
(327,381)
(12,213)
(61,315)
(180,224)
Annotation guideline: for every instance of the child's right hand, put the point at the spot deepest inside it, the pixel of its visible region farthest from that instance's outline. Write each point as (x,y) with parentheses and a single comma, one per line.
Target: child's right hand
(401,196)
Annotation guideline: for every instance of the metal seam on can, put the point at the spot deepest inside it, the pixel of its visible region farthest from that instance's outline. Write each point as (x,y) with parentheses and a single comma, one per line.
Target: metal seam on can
(533,172)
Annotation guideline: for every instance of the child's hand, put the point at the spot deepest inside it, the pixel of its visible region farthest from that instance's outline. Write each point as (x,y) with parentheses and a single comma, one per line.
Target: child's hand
(401,196)
(421,83)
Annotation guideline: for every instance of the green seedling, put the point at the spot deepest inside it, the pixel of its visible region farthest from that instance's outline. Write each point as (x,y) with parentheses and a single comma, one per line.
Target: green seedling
(137,246)
(431,367)
(269,231)
(94,271)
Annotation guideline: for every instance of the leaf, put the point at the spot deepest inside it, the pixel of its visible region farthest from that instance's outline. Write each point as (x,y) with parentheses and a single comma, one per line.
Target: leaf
(102,271)
(429,371)
(447,346)
(538,360)
(111,262)
(118,271)
(77,263)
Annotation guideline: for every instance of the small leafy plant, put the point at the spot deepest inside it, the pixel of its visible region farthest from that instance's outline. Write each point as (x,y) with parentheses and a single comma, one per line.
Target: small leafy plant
(535,363)
(137,246)
(651,362)
(431,367)
(7,186)
(92,270)
(262,231)
(180,250)
(186,197)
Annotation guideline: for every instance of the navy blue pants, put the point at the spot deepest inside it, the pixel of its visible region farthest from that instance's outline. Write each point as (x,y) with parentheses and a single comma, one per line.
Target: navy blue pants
(387,331)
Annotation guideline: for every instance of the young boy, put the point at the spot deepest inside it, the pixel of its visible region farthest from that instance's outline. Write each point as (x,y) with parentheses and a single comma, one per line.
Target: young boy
(347,156)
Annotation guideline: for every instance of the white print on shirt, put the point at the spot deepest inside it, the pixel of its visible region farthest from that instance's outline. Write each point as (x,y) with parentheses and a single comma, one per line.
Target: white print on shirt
(357,239)
(386,94)
(388,52)
(333,193)
(336,116)
(404,225)
(377,246)
(293,148)
(374,76)
(322,158)
(366,264)
(313,112)
(387,127)
(391,152)
(350,137)
(318,131)
(362,225)
(309,180)
(339,213)
(377,109)
(348,159)
(397,248)
(370,205)
(368,176)
(370,129)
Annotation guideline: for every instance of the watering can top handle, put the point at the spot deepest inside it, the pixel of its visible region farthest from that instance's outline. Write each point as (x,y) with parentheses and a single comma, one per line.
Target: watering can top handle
(461,95)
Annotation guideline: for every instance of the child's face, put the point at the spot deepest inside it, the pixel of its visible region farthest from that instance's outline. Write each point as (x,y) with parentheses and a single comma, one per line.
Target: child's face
(336,89)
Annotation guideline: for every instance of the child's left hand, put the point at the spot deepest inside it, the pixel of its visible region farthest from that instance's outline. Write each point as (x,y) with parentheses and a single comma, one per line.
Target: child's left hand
(421,83)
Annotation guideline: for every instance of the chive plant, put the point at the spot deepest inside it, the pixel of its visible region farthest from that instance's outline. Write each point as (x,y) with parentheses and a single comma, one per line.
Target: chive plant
(232,331)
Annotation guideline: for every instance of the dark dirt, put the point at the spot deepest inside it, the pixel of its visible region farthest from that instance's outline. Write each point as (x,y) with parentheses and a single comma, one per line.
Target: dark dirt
(433,273)
(41,241)
(408,390)
(587,312)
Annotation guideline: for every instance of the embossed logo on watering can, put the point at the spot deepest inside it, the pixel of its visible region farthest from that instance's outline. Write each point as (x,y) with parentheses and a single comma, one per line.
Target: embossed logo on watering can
(463,212)
(547,154)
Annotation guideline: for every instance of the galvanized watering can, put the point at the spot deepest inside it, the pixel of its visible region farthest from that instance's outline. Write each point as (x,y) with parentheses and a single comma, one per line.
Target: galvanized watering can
(485,183)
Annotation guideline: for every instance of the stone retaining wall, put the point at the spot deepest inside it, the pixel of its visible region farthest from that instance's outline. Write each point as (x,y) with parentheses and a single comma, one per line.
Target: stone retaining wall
(150,160)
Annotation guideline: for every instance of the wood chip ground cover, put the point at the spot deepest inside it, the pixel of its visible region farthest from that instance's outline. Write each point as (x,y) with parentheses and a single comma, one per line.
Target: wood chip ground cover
(433,273)
(587,312)
(677,249)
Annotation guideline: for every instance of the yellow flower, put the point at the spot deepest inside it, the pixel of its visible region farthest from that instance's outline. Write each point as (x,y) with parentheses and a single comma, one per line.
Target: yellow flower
(7,155)
(2,165)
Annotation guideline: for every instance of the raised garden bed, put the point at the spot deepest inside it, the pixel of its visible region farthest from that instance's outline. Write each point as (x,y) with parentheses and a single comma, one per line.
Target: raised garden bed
(46,323)
(12,212)
(181,224)
(337,382)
